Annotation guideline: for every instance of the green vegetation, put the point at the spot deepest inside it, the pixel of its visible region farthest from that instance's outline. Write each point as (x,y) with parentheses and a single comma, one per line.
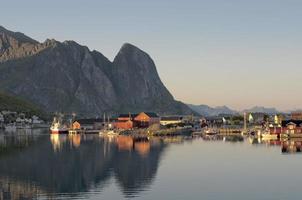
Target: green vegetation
(16,104)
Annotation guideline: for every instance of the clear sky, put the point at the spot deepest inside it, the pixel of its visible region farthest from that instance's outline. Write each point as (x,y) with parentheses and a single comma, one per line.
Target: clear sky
(238,53)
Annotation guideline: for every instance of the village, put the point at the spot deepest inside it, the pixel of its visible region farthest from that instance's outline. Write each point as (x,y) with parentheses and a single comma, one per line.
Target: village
(262,125)
(10,121)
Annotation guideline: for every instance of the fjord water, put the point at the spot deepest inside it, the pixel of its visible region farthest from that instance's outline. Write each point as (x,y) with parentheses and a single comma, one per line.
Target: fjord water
(42,166)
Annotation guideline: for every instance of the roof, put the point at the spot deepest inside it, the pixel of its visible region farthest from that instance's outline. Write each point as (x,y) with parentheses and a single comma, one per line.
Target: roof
(151,114)
(171,118)
(127,115)
(285,122)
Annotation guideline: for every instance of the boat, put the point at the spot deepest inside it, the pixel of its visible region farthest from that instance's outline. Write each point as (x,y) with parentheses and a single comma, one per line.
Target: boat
(57,127)
(210,132)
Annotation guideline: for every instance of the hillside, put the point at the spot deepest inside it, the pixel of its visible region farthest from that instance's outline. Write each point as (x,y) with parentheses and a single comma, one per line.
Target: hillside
(16,104)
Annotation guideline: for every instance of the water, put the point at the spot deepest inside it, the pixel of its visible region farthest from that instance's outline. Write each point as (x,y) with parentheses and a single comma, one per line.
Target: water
(42,166)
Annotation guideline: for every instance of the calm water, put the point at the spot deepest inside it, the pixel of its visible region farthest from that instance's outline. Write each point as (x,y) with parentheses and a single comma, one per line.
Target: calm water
(42,166)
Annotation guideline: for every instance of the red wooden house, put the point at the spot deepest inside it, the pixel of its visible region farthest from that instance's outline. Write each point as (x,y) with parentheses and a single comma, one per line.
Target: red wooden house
(141,120)
(146,119)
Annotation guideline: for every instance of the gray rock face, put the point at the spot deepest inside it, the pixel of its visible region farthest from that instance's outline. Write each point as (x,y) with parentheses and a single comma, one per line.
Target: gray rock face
(68,77)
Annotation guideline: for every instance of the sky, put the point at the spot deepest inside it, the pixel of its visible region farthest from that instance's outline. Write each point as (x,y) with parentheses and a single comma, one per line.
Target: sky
(239,53)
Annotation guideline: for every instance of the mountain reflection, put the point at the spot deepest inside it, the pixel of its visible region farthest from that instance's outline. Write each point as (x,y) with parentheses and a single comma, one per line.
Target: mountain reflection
(57,164)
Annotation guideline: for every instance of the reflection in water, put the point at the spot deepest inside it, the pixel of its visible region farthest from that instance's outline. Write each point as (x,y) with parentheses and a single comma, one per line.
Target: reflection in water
(291,146)
(69,166)
(60,164)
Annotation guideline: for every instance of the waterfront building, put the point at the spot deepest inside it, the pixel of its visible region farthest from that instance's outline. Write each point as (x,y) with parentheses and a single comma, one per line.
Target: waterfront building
(296,115)
(146,119)
(288,127)
(76,125)
(141,120)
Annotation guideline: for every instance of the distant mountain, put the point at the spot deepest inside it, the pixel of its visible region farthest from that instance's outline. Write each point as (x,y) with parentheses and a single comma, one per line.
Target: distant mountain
(68,77)
(260,109)
(207,111)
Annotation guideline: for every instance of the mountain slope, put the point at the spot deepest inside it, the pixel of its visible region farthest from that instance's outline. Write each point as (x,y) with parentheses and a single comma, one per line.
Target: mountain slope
(68,77)
(11,103)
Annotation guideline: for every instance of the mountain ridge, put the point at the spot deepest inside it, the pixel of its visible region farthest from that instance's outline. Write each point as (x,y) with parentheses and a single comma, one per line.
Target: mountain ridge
(206,110)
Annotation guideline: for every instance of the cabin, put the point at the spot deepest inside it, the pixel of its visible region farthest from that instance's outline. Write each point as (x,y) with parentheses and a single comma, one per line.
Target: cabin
(141,120)
(125,121)
(146,119)
(169,120)
(76,125)
(124,124)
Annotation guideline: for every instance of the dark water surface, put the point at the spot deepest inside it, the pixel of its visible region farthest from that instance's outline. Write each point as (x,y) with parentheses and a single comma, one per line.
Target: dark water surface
(42,166)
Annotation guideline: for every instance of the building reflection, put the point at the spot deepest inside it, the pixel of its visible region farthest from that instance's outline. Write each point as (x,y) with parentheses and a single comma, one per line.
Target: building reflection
(60,164)
(293,145)
(287,145)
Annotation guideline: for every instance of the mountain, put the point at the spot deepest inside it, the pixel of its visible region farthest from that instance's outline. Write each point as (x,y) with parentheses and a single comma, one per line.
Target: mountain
(260,109)
(68,77)
(208,111)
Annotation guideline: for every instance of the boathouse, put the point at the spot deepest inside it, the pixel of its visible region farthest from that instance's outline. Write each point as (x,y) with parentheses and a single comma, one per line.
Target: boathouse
(141,120)
(146,119)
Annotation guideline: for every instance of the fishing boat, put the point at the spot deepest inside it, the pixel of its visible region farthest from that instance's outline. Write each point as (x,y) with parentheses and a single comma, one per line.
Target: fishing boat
(57,127)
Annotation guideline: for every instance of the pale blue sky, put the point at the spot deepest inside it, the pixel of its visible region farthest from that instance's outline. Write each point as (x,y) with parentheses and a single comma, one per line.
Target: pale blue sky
(238,53)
